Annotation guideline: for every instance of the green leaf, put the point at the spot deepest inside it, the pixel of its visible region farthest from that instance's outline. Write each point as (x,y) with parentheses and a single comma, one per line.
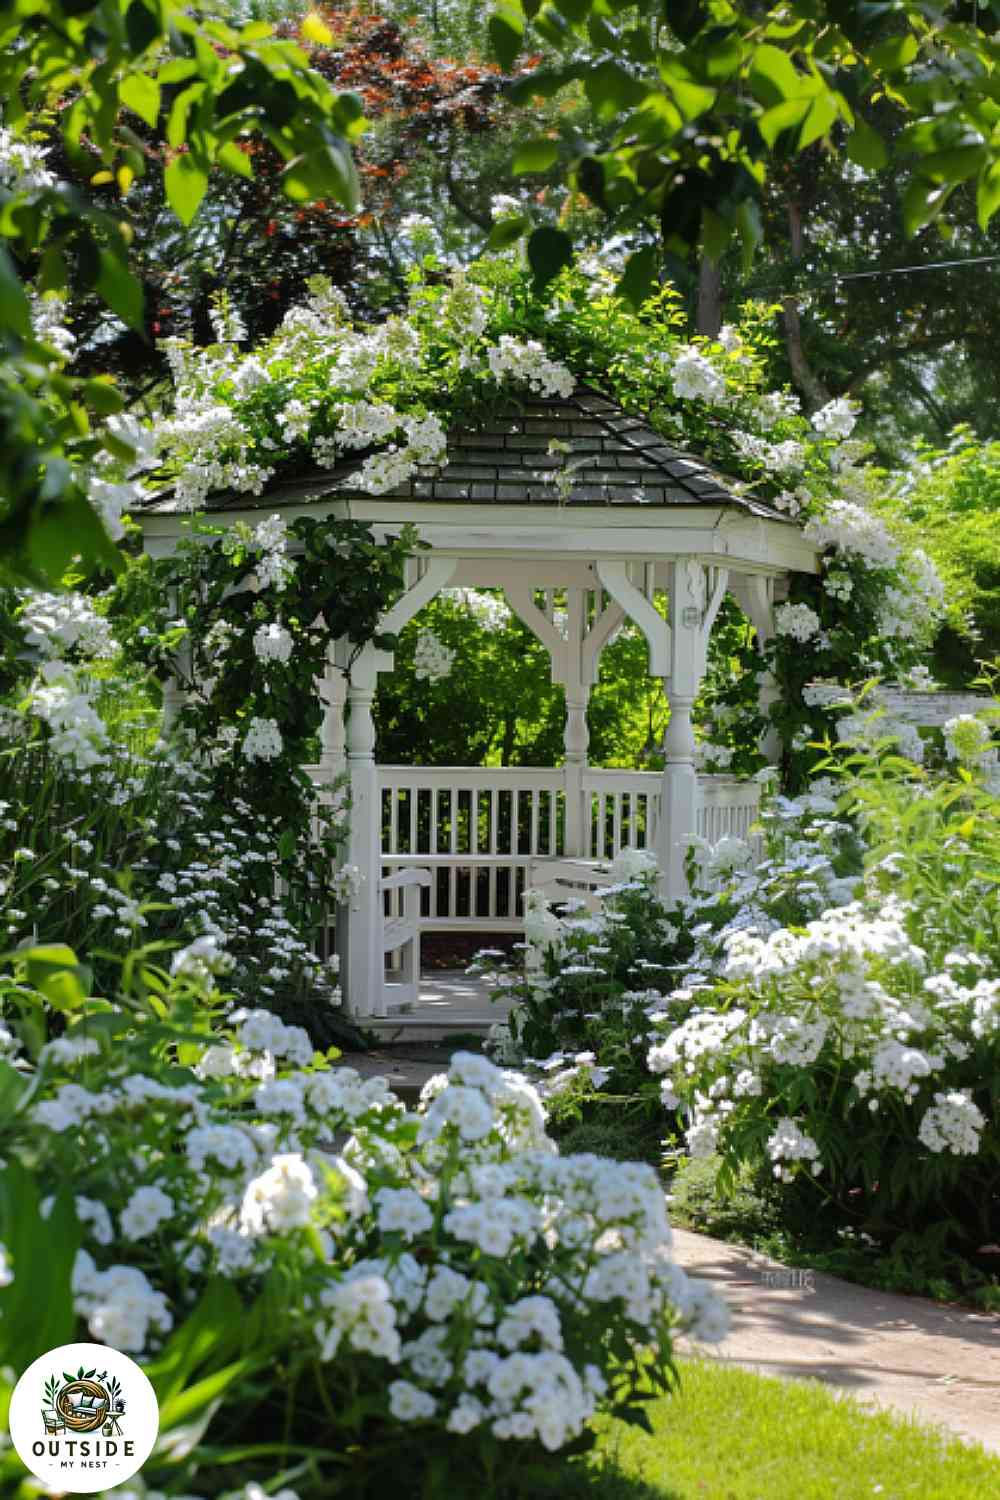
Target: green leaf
(211,1330)
(897,53)
(750,228)
(543,83)
(185,181)
(100,394)
(610,88)
(535,156)
(639,276)
(506,33)
(69,528)
(988,195)
(956,164)
(121,290)
(141,94)
(549,252)
(233,159)
(506,231)
(773,122)
(773,77)
(326,171)
(715,234)
(142,28)
(818,122)
(15,311)
(865,147)
(922,202)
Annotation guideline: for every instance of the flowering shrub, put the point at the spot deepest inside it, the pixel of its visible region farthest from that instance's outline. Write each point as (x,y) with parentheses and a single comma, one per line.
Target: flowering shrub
(860,1047)
(828,1015)
(312,1276)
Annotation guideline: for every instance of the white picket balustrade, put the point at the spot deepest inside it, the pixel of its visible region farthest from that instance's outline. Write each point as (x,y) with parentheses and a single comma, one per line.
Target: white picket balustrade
(477,829)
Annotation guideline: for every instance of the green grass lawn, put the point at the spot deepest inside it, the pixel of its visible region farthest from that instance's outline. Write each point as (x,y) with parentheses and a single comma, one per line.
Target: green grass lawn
(734,1435)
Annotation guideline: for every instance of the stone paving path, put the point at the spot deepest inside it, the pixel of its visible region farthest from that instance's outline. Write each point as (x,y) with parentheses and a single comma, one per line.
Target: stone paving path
(939,1362)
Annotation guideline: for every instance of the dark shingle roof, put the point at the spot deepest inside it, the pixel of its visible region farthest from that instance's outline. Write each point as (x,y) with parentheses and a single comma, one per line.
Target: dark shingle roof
(614,458)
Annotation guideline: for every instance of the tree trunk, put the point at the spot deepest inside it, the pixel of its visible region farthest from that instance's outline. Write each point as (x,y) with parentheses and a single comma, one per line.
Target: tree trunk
(709,297)
(813,391)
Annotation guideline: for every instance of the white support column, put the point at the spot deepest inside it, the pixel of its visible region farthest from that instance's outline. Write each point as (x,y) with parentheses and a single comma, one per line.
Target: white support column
(574,664)
(362,962)
(754,593)
(361,928)
(696,593)
(174,696)
(332,688)
(576,734)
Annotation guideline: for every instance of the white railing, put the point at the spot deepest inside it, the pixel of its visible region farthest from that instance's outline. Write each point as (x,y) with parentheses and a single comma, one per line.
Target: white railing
(477,829)
(620,809)
(727,806)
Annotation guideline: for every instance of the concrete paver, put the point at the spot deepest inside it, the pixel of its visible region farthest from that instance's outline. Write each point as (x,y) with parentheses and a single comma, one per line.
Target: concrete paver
(939,1362)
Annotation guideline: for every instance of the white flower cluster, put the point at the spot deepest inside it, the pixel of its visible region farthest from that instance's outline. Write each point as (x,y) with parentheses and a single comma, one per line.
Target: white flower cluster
(852,530)
(262,740)
(77,733)
(787,457)
(432,659)
(47,315)
(22,163)
(954,1124)
(797,621)
(789,1144)
(526,362)
(490,611)
(837,419)
(408,1252)
(967,739)
(695,378)
(272,643)
(54,623)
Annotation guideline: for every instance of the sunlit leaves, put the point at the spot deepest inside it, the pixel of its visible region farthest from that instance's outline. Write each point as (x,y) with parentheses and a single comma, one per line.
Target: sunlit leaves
(731,87)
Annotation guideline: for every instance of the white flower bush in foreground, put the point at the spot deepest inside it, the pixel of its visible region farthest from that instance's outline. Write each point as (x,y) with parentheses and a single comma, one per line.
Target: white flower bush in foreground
(444,1271)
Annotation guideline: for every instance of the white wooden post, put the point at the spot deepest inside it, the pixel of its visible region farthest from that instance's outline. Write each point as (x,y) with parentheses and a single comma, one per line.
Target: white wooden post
(573,663)
(361,964)
(332,688)
(754,593)
(174,696)
(360,930)
(696,594)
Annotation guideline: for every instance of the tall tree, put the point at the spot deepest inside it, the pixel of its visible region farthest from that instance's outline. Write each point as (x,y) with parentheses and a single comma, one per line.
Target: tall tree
(102,64)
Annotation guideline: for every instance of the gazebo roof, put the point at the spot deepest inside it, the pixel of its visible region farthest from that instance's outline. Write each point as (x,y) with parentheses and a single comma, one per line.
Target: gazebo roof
(614,460)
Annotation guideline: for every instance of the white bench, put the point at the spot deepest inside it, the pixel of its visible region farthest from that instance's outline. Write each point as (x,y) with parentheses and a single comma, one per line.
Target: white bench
(570,880)
(401,934)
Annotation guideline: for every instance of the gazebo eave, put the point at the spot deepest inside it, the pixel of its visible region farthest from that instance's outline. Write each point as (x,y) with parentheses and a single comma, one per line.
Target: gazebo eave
(556,532)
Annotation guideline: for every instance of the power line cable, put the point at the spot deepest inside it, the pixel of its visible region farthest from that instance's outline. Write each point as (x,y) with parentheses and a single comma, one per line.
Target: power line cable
(938,265)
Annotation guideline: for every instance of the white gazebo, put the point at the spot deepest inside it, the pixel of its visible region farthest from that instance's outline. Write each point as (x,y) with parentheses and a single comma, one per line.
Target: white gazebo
(565,495)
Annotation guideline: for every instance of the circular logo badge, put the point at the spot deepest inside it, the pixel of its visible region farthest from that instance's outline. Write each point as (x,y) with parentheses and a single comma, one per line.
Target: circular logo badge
(83,1418)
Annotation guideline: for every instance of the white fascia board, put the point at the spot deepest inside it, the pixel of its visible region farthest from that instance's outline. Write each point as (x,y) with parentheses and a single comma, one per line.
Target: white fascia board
(561,533)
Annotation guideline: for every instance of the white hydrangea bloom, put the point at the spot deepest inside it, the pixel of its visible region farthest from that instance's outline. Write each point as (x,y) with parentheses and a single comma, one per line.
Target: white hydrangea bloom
(263,740)
(796,620)
(272,643)
(432,659)
(695,378)
(953,1123)
(837,419)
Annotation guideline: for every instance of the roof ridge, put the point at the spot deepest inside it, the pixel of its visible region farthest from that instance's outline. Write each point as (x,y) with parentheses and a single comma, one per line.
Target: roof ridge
(722,479)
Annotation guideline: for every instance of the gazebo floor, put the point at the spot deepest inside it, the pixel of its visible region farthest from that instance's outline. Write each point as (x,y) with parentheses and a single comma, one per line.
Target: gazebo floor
(451,1003)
